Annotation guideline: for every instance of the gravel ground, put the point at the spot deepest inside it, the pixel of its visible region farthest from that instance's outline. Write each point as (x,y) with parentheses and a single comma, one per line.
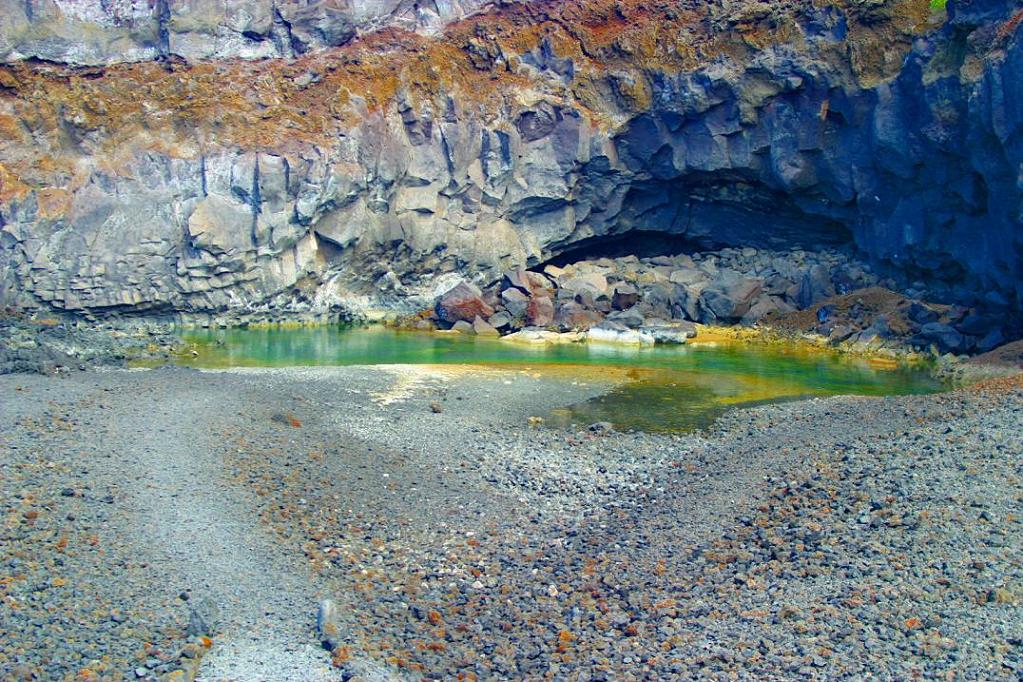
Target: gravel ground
(174,523)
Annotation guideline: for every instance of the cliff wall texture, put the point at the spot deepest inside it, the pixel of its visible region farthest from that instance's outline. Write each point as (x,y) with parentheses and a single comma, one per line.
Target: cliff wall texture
(110,31)
(366,166)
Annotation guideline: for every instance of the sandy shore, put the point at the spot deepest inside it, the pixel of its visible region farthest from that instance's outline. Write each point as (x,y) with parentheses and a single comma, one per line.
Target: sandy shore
(846,536)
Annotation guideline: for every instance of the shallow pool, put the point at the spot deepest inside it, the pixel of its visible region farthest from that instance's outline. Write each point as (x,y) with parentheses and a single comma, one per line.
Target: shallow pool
(669,388)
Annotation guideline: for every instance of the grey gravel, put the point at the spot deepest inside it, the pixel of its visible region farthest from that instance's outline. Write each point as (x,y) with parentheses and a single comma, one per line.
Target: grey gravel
(823,539)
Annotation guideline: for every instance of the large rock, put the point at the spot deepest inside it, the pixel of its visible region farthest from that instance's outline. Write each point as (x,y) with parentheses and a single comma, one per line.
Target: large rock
(540,312)
(482,327)
(464,303)
(572,316)
(676,333)
(515,301)
(728,300)
(592,283)
(532,283)
(815,286)
(625,296)
(944,336)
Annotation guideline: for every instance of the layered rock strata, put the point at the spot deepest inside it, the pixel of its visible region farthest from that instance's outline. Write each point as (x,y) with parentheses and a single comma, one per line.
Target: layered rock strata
(381,172)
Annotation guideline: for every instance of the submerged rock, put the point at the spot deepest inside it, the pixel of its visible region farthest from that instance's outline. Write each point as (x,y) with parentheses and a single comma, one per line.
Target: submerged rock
(671,334)
(609,332)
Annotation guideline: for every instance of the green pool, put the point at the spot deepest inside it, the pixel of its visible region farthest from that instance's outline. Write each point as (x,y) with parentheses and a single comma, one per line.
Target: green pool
(667,388)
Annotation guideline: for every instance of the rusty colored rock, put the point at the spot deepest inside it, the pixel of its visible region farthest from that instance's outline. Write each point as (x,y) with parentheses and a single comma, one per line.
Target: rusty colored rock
(464,303)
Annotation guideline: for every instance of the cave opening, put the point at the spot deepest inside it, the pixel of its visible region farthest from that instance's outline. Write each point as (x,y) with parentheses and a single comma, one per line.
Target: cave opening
(666,218)
(640,243)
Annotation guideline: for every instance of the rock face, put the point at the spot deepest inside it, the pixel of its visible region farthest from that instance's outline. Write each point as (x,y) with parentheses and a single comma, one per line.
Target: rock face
(110,31)
(380,172)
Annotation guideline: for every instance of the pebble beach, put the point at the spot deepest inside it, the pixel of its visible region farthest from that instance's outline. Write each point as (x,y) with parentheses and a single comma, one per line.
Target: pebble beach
(176,524)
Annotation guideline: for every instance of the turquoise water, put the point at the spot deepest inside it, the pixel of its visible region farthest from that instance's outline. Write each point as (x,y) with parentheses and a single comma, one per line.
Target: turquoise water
(660,388)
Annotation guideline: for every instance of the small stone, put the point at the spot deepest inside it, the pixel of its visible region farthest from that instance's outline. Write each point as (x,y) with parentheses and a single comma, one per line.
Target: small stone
(192,650)
(202,618)
(328,624)
(1000,595)
(436,407)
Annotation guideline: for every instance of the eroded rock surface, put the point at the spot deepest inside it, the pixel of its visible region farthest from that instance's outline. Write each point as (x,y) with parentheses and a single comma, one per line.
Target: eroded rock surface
(109,31)
(380,173)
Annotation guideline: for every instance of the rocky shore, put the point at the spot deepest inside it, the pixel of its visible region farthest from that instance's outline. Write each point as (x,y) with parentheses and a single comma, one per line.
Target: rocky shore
(51,345)
(830,294)
(167,524)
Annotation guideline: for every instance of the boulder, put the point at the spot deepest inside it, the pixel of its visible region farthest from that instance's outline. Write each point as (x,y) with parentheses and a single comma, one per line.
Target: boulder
(463,327)
(543,337)
(764,306)
(658,298)
(483,328)
(610,332)
(878,329)
(922,314)
(500,320)
(462,303)
(554,272)
(670,334)
(540,312)
(992,340)
(515,302)
(573,316)
(727,300)
(601,303)
(979,325)
(592,282)
(631,318)
(532,283)
(625,296)
(815,286)
(776,285)
(687,276)
(944,336)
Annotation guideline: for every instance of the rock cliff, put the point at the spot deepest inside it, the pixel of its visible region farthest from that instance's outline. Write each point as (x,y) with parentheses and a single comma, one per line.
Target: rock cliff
(368,167)
(93,32)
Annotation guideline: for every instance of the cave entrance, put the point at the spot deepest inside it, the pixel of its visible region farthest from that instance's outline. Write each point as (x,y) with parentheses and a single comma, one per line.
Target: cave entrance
(671,218)
(640,243)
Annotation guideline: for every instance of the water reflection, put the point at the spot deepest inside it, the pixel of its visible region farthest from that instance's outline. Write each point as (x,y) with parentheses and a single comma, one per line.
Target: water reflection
(675,388)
